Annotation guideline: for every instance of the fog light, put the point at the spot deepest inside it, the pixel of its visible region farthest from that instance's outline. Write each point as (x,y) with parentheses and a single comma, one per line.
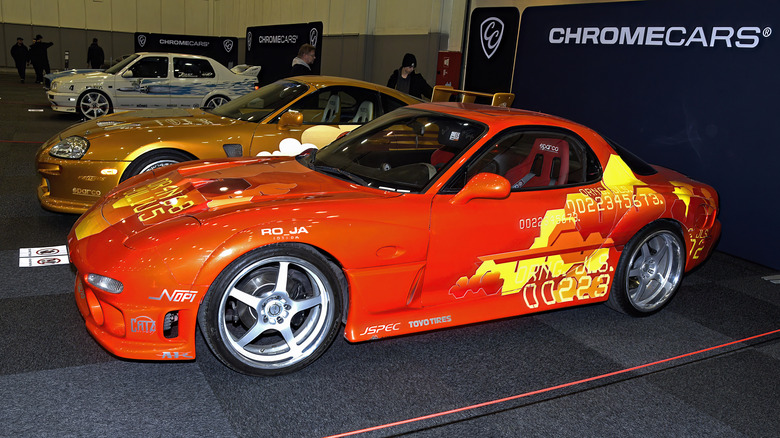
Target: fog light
(105,283)
(171,325)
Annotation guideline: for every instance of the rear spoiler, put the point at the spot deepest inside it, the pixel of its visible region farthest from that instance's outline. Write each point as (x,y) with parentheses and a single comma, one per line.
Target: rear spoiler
(443,93)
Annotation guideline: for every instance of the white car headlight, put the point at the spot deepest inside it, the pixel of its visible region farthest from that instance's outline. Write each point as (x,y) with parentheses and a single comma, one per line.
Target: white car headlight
(54,85)
(72,148)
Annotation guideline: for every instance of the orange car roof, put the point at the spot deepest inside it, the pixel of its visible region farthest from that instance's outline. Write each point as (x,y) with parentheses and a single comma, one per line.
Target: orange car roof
(491,114)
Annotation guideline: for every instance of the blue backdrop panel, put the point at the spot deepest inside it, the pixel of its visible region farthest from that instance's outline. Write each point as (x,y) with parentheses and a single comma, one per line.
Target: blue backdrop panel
(692,86)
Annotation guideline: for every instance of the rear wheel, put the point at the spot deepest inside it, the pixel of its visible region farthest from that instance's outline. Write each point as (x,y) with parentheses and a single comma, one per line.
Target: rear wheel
(154,160)
(215,101)
(649,271)
(273,310)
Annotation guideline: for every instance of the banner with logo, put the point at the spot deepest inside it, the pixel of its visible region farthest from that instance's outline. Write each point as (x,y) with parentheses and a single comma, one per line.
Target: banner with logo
(274,47)
(222,49)
(686,85)
(490,54)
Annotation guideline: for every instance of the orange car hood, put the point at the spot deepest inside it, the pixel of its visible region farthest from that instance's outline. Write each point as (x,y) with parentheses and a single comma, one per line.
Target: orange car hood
(212,189)
(143,120)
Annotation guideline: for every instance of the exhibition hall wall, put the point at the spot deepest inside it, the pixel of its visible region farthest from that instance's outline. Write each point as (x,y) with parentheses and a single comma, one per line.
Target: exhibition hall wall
(362,39)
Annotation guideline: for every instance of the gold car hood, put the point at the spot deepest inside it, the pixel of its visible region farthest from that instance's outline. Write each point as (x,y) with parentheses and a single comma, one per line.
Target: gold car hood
(144,120)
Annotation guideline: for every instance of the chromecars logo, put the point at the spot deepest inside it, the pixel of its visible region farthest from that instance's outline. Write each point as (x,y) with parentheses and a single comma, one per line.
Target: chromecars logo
(491,31)
(313,34)
(746,37)
(141,40)
(228,45)
(249,41)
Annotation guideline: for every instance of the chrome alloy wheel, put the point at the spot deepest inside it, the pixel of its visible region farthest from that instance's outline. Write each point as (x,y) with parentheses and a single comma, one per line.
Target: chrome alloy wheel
(654,271)
(275,312)
(216,101)
(94,104)
(157,164)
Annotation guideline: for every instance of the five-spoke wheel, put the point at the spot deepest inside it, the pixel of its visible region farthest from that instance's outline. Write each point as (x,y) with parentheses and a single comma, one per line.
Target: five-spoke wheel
(649,271)
(273,310)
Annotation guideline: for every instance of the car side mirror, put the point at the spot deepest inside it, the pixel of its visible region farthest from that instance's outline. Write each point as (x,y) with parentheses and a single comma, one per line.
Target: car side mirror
(290,119)
(483,186)
(127,74)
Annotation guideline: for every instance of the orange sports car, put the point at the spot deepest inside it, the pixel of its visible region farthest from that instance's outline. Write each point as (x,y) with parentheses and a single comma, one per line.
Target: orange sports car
(82,163)
(432,216)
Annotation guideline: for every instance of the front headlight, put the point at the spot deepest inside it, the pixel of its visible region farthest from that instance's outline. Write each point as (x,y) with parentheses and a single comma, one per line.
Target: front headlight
(107,284)
(54,85)
(72,148)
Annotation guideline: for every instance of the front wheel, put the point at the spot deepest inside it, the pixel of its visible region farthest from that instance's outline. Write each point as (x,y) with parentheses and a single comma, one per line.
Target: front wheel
(649,271)
(154,160)
(93,104)
(273,310)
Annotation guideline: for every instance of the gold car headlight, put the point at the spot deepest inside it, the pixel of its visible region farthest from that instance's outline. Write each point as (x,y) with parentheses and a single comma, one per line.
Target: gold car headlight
(71,148)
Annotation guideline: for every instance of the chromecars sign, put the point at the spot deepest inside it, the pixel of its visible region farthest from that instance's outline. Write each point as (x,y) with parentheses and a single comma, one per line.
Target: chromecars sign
(746,37)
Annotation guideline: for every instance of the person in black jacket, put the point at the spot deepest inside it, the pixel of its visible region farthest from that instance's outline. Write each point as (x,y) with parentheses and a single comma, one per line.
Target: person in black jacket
(21,56)
(95,56)
(406,80)
(40,58)
(301,64)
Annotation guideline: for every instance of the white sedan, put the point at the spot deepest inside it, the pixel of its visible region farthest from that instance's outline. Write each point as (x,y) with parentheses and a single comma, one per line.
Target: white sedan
(151,80)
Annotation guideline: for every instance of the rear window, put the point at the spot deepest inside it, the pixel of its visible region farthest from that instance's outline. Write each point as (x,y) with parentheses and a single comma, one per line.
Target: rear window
(637,165)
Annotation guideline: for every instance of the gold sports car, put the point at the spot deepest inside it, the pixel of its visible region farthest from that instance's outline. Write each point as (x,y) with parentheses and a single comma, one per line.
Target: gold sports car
(83,162)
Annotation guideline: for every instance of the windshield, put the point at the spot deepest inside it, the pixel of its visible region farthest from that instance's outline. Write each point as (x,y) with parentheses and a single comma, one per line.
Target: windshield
(258,104)
(402,151)
(121,64)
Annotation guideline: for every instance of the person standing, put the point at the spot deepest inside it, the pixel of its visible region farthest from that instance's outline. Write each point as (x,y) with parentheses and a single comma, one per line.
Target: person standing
(39,58)
(301,64)
(21,56)
(95,56)
(406,80)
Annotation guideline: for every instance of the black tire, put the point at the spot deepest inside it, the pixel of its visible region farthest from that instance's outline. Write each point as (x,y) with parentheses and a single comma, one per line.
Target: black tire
(215,101)
(251,326)
(649,271)
(154,160)
(93,104)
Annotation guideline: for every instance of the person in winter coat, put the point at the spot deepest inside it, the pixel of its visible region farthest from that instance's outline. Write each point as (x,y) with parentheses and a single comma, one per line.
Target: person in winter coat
(406,80)
(95,56)
(21,56)
(301,64)
(40,58)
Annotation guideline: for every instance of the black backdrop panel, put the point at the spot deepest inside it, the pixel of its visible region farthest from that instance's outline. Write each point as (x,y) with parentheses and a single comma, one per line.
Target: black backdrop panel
(692,86)
(274,47)
(221,49)
(491,49)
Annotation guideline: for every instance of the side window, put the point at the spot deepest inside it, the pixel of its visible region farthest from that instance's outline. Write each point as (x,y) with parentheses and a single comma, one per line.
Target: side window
(338,105)
(537,159)
(192,68)
(390,103)
(151,67)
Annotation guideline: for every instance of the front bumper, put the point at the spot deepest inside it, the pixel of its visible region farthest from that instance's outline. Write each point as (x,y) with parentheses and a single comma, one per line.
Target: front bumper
(63,102)
(153,318)
(72,186)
